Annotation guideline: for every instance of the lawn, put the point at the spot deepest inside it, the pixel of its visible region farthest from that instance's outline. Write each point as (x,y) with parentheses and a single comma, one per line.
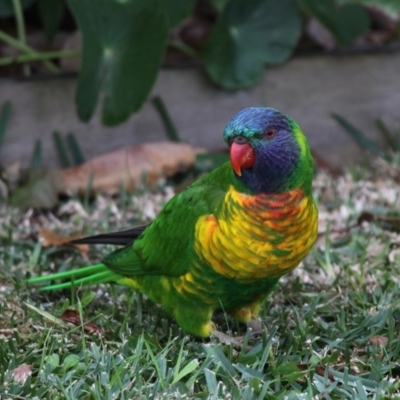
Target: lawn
(329,331)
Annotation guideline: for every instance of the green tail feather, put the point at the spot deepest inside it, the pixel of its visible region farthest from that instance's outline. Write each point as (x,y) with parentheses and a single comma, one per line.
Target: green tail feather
(91,275)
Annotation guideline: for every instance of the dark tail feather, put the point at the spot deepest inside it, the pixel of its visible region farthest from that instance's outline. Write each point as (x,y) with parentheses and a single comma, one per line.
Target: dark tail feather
(122,238)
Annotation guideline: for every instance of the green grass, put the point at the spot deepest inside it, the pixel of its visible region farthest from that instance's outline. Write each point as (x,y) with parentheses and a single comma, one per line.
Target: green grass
(319,328)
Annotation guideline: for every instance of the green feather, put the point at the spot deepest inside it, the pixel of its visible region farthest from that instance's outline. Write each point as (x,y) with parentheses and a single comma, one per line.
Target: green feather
(91,275)
(92,269)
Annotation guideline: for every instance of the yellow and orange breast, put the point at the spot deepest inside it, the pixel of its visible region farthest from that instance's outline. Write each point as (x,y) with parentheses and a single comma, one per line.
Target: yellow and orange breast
(257,237)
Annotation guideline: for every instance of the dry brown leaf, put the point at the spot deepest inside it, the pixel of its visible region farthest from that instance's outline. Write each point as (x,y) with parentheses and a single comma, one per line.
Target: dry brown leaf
(21,373)
(320,370)
(50,238)
(72,316)
(7,332)
(129,166)
(379,340)
(303,367)
(93,329)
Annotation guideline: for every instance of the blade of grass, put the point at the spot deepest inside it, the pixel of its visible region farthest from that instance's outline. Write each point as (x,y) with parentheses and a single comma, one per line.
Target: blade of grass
(398,138)
(155,364)
(221,357)
(47,315)
(88,191)
(389,137)
(75,149)
(61,150)
(84,345)
(358,136)
(170,129)
(211,380)
(4,117)
(187,369)
(37,155)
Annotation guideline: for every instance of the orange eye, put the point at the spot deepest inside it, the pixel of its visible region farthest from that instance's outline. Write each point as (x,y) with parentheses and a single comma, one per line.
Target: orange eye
(270,132)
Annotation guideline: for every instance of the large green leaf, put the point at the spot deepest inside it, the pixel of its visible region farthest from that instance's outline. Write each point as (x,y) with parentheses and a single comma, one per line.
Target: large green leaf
(122,50)
(248,35)
(345,23)
(390,6)
(178,10)
(7,8)
(51,13)
(218,4)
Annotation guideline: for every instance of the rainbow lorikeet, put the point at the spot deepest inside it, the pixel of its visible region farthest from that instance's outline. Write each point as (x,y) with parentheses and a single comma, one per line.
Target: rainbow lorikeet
(224,241)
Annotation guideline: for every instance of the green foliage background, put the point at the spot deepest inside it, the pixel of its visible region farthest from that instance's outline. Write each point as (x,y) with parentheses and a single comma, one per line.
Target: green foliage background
(124,42)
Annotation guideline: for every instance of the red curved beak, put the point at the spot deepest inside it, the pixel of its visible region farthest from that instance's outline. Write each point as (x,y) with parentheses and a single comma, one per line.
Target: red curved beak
(242,156)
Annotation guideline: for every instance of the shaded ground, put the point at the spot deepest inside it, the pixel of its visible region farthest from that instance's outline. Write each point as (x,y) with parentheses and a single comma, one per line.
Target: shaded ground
(330,330)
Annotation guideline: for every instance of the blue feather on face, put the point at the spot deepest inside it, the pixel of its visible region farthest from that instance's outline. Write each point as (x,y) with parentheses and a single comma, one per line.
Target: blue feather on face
(277,151)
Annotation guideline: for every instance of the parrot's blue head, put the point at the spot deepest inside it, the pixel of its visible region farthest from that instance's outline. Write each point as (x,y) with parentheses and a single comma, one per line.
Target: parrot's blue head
(268,151)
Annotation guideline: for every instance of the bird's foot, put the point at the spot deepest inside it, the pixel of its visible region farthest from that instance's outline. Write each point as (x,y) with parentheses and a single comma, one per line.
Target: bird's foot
(242,314)
(206,329)
(247,313)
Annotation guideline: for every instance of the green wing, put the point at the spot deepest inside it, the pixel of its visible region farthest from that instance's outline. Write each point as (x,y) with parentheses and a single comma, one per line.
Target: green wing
(165,247)
(167,244)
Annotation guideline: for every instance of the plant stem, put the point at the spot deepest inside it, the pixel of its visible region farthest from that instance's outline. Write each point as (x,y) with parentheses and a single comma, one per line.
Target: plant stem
(183,48)
(19,17)
(168,124)
(5,113)
(39,57)
(23,47)
(390,139)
